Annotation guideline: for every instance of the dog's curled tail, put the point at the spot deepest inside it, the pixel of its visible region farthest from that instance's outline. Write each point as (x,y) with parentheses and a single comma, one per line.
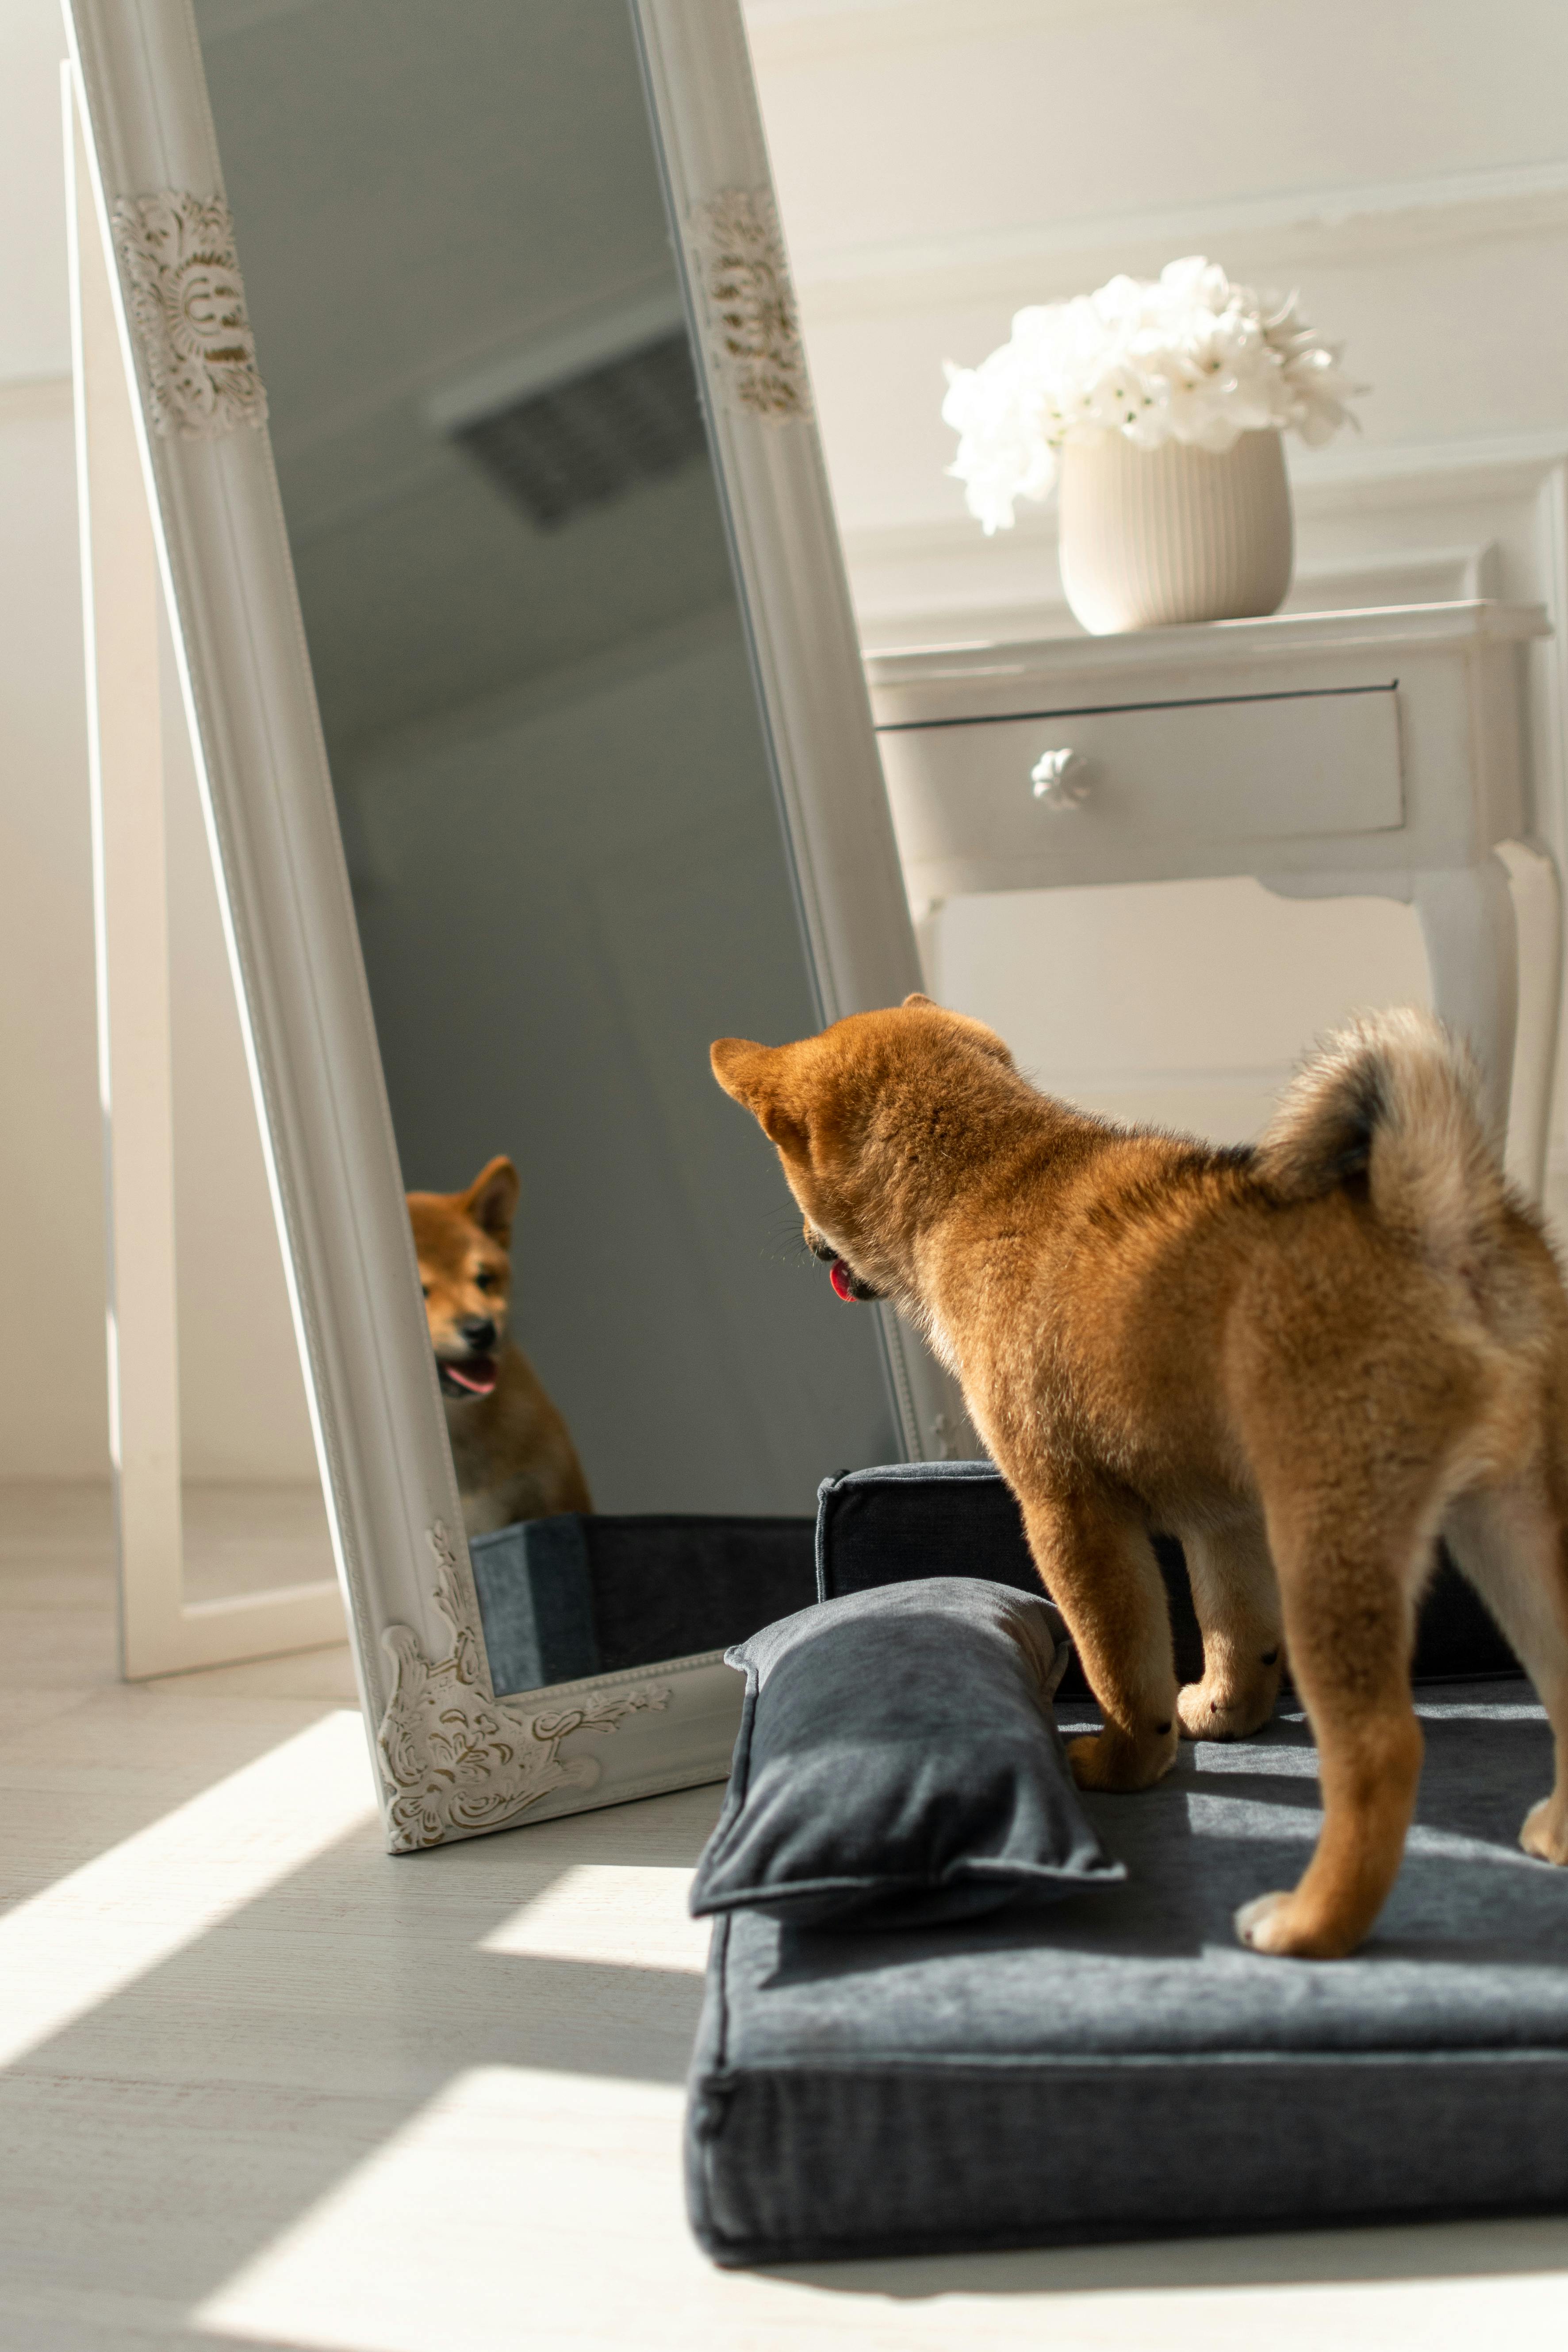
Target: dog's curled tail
(1394,1098)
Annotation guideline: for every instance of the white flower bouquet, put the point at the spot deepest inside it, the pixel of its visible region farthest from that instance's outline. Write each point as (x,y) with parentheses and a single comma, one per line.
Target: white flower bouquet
(1188,357)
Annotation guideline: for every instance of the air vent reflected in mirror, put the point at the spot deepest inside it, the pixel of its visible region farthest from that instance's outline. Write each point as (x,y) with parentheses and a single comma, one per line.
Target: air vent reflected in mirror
(633,418)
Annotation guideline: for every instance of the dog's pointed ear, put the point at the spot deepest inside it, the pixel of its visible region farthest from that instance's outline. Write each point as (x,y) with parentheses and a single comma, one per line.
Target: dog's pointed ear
(975,1030)
(740,1066)
(987,1039)
(753,1076)
(491,1199)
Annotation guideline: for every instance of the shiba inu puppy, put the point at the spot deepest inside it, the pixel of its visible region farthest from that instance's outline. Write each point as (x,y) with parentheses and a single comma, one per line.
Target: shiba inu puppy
(513,1452)
(1307,1359)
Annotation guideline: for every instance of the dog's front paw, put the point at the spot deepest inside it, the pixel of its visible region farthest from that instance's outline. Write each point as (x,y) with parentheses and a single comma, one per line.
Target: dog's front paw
(1113,1760)
(1277,1925)
(1546,1831)
(1210,1711)
(1264,1925)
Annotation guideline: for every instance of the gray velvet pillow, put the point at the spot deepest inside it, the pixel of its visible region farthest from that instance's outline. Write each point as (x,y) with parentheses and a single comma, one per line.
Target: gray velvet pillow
(899,1763)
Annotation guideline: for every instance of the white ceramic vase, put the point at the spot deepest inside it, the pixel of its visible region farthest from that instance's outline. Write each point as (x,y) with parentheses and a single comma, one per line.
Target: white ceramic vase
(1148,537)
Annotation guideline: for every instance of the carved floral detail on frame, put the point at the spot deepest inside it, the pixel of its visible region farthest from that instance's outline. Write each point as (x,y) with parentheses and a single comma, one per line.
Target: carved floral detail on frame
(752,324)
(461,1760)
(187,307)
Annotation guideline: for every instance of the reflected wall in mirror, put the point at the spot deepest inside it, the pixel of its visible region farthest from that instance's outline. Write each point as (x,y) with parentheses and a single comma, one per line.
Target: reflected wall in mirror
(547,548)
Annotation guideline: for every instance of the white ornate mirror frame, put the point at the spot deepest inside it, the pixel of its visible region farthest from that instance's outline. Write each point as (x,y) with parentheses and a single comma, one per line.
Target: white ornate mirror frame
(451,1760)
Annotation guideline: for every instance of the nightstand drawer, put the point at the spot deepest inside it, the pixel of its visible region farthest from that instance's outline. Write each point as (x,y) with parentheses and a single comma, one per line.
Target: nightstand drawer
(993,804)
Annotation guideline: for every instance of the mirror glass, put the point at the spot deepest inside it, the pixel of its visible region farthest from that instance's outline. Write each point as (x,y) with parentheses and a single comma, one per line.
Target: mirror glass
(555,797)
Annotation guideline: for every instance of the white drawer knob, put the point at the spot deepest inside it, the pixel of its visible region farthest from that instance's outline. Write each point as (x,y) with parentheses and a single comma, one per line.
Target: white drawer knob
(1061,779)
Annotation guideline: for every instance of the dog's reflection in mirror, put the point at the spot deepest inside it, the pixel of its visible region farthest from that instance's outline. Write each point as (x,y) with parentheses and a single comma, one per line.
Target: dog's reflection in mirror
(512,1450)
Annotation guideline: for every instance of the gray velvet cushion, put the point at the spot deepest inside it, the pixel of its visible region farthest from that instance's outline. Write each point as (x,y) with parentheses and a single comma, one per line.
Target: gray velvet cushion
(1119,2065)
(898,1762)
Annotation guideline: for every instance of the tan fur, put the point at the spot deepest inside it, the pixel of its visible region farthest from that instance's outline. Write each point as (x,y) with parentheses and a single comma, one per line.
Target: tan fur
(512,1450)
(1305,1361)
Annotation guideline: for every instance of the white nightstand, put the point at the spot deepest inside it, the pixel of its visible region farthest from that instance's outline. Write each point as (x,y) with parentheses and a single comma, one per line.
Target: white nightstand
(1328,754)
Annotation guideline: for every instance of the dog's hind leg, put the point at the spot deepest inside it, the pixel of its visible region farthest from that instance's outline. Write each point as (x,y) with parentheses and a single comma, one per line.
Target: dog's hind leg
(1513,1546)
(1349,1577)
(1098,1564)
(1237,1596)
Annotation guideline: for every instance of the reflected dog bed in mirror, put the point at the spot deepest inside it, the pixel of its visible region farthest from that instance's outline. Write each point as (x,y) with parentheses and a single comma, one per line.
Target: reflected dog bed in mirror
(562,1598)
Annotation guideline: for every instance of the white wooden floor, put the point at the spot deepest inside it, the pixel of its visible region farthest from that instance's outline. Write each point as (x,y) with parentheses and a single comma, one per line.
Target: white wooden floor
(263,2085)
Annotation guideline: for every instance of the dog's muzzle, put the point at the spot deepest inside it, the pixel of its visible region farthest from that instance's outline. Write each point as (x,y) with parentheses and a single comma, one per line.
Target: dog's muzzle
(467,1376)
(845,1281)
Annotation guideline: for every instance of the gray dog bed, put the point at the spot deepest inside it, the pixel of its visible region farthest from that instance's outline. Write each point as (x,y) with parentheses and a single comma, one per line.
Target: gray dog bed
(1119,2065)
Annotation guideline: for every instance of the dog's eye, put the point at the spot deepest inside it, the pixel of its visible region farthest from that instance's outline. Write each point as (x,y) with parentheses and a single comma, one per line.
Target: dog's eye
(484,1279)
(423,1290)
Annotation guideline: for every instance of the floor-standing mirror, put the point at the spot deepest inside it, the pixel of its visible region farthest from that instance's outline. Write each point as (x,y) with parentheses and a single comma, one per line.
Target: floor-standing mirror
(543,731)
(605,789)
(552,781)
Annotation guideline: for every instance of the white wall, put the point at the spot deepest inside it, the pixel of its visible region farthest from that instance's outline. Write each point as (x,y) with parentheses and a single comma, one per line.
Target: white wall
(244,1414)
(940,163)
(52,1419)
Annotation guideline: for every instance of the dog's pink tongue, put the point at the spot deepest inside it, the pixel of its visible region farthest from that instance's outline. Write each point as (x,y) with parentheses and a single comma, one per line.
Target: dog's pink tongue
(839,1277)
(478,1375)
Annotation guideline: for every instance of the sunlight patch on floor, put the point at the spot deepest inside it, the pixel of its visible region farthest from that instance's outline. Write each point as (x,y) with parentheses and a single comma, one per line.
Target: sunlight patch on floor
(68,1949)
(436,2241)
(621,1915)
(521,2206)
